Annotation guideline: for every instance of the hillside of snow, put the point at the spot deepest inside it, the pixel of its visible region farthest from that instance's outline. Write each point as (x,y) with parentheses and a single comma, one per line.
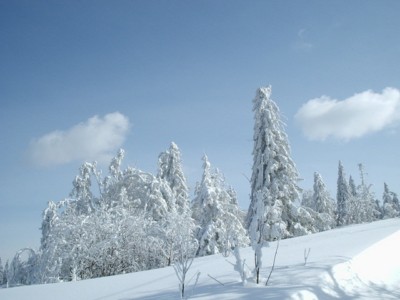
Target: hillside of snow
(354,262)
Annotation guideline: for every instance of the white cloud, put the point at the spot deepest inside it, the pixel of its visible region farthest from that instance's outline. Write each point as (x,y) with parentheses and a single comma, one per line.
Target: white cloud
(354,117)
(302,42)
(96,139)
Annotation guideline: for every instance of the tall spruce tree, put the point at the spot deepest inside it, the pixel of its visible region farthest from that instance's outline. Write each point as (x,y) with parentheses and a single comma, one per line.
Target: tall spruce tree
(342,197)
(274,178)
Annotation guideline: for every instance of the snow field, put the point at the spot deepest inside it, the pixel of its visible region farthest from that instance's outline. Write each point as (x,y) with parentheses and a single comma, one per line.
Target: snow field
(354,262)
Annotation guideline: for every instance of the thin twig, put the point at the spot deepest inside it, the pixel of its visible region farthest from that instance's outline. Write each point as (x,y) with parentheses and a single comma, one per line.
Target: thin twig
(306,254)
(215,279)
(273,263)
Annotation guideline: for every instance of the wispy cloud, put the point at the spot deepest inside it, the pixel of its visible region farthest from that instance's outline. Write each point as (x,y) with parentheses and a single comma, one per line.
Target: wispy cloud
(302,43)
(354,117)
(95,139)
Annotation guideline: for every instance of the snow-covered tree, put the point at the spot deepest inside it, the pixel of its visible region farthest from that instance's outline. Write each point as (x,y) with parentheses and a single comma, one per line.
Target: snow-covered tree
(1,273)
(307,198)
(187,247)
(5,274)
(391,207)
(170,169)
(49,262)
(368,211)
(322,204)
(352,187)
(124,228)
(81,192)
(342,197)
(360,202)
(274,172)
(22,270)
(274,177)
(321,198)
(217,215)
(396,203)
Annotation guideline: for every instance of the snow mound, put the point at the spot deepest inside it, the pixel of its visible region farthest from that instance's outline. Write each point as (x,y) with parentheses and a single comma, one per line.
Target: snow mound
(372,274)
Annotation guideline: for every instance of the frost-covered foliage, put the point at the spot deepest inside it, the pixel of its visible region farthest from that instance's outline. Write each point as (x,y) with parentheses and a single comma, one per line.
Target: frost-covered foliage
(217,215)
(391,206)
(274,178)
(128,221)
(185,254)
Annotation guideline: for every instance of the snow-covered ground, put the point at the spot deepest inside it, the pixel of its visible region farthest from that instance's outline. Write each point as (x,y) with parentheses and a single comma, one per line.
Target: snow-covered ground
(355,262)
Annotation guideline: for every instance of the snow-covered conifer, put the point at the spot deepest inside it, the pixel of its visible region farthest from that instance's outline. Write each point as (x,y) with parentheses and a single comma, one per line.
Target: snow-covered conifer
(49,262)
(216,214)
(321,197)
(342,197)
(274,177)
(274,173)
(170,169)
(390,205)
(352,187)
(5,273)
(1,273)
(307,198)
(323,205)
(396,203)
(366,208)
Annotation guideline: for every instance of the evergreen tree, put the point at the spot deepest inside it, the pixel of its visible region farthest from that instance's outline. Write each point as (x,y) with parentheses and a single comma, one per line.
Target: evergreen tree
(274,178)
(342,197)
(307,199)
(49,267)
(390,205)
(387,197)
(321,198)
(170,169)
(317,212)
(366,209)
(178,223)
(5,274)
(352,187)
(217,215)
(395,201)
(1,273)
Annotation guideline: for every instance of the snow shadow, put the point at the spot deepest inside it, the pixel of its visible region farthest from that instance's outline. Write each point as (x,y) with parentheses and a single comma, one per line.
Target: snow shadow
(316,280)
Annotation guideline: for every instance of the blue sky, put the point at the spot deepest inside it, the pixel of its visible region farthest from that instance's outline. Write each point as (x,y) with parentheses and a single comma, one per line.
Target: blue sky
(81,79)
